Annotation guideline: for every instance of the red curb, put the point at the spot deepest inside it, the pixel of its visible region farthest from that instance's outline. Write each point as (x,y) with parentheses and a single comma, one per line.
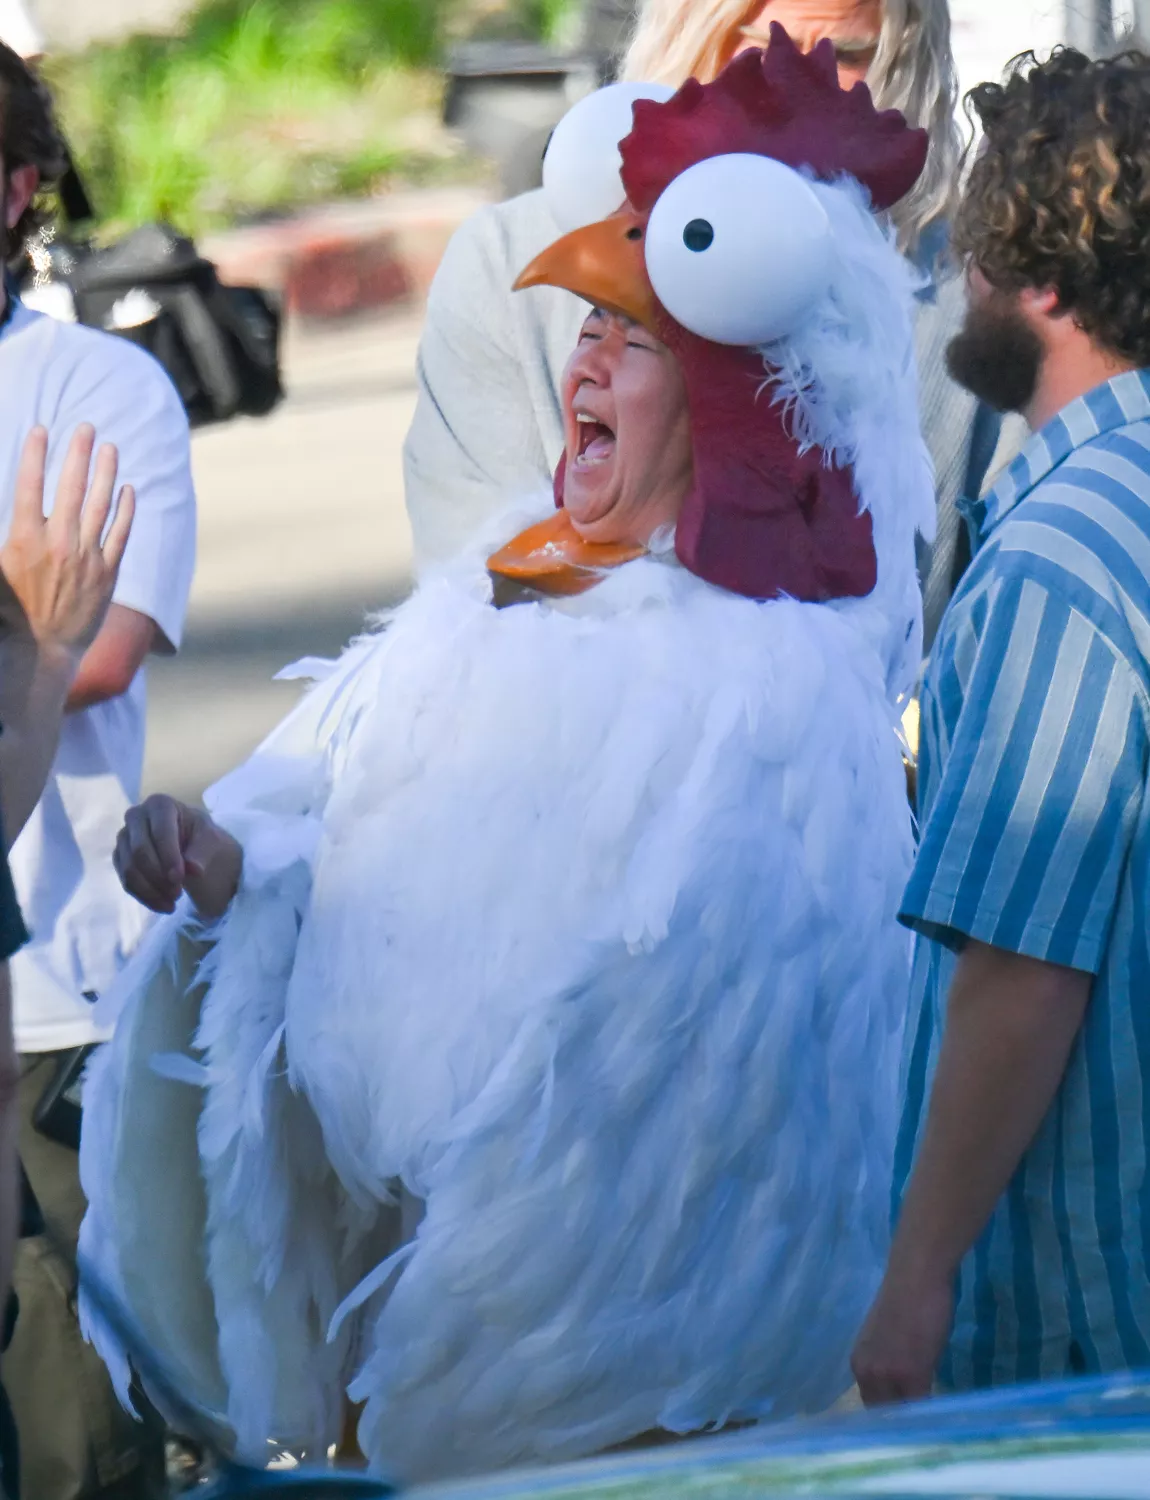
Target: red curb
(334,277)
(349,258)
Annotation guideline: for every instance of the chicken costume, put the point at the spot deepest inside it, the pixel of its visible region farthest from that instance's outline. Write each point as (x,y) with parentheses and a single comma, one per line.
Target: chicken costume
(538,1088)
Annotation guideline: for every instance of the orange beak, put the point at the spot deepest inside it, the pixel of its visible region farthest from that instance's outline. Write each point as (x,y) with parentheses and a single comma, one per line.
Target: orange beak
(604,264)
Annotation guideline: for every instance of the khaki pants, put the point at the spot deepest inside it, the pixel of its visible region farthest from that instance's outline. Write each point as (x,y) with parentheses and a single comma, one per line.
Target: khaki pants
(76,1442)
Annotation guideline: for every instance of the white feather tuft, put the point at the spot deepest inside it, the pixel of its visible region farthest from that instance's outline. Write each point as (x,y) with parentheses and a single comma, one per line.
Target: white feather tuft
(848,384)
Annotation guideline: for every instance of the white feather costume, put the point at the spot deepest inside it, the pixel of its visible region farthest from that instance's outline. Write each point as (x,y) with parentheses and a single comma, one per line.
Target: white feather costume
(570,927)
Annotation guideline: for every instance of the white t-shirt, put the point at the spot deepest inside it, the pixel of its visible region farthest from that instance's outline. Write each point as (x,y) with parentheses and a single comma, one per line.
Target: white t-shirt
(18,30)
(83,926)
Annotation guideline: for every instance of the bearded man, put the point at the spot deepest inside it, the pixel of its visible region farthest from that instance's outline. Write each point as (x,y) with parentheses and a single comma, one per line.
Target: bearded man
(527,1011)
(1022,1162)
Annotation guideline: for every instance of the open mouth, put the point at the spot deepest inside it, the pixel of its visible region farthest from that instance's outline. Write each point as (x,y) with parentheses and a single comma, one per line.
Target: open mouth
(596,442)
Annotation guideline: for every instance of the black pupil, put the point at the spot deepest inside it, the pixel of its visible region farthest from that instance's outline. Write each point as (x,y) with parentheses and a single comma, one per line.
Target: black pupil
(698,235)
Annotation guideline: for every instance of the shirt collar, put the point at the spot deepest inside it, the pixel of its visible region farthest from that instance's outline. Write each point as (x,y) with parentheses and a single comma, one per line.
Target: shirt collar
(1116,403)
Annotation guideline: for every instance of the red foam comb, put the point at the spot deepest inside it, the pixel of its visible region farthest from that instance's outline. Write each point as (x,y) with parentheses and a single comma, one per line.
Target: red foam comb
(776,102)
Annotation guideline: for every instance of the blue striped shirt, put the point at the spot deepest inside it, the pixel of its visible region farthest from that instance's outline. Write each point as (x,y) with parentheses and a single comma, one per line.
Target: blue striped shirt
(1036,839)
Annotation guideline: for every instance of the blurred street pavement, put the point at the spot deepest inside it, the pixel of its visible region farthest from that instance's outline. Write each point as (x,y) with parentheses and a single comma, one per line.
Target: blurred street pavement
(302,532)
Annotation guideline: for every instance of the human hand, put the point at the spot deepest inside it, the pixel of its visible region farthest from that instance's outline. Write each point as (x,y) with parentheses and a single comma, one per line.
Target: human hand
(903,1339)
(57,572)
(166,847)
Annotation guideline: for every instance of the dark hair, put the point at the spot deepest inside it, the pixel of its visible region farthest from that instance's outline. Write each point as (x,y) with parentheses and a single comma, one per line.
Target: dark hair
(28,136)
(1059,193)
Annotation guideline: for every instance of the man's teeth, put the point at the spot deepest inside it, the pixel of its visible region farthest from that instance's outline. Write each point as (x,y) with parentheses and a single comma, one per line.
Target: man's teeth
(597,444)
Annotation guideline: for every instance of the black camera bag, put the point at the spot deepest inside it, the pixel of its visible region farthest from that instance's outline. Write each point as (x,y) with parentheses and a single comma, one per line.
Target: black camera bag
(219,344)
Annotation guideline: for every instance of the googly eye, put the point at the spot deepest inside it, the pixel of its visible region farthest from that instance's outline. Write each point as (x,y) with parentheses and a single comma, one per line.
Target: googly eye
(581,167)
(739,249)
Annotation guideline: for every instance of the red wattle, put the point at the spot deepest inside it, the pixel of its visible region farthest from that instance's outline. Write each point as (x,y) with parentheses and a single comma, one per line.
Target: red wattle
(763,518)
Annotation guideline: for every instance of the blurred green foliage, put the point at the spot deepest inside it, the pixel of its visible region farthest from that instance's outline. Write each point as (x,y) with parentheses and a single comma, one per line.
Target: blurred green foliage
(545,19)
(554,16)
(259,106)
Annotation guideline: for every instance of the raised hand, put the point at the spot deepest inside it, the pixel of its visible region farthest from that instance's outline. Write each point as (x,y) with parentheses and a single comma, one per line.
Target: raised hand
(166,847)
(59,571)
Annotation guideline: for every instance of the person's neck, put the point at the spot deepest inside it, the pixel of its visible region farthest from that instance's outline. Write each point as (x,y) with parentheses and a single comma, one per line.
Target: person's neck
(1068,373)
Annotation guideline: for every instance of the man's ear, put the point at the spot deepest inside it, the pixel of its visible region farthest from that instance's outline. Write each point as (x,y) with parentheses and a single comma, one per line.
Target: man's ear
(22,185)
(1039,302)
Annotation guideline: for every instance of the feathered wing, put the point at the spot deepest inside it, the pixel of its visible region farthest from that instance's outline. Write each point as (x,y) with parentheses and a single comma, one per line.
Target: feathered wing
(143,1230)
(601,963)
(213,1215)
(847,379)
(596,957)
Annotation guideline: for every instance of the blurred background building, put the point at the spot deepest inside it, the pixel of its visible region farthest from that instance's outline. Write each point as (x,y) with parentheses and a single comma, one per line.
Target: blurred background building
(74,22)
(209,112)
(987,33)
(1083,22)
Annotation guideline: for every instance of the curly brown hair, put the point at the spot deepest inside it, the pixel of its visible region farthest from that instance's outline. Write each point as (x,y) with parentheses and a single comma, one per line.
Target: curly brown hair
(1059,192)
(28,137)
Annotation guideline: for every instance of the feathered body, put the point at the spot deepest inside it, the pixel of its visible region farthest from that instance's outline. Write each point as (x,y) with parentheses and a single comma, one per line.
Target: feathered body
(539,1087)
(596,958)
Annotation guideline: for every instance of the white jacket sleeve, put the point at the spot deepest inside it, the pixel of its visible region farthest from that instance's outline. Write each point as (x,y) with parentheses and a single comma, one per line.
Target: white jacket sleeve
(488,426)
(213,1216)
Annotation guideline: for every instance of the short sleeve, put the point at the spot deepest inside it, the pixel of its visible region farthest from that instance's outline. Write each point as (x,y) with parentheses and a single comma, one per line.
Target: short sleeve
(131,402)
(1027,834)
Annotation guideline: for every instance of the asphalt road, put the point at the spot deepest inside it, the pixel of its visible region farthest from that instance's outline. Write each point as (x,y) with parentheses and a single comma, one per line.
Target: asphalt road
(302,534)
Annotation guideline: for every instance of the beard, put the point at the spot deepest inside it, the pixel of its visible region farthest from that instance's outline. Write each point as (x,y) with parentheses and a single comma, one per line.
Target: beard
(996,356)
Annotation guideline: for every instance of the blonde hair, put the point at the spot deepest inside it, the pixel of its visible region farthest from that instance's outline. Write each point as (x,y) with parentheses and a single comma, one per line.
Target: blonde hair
(913,71)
